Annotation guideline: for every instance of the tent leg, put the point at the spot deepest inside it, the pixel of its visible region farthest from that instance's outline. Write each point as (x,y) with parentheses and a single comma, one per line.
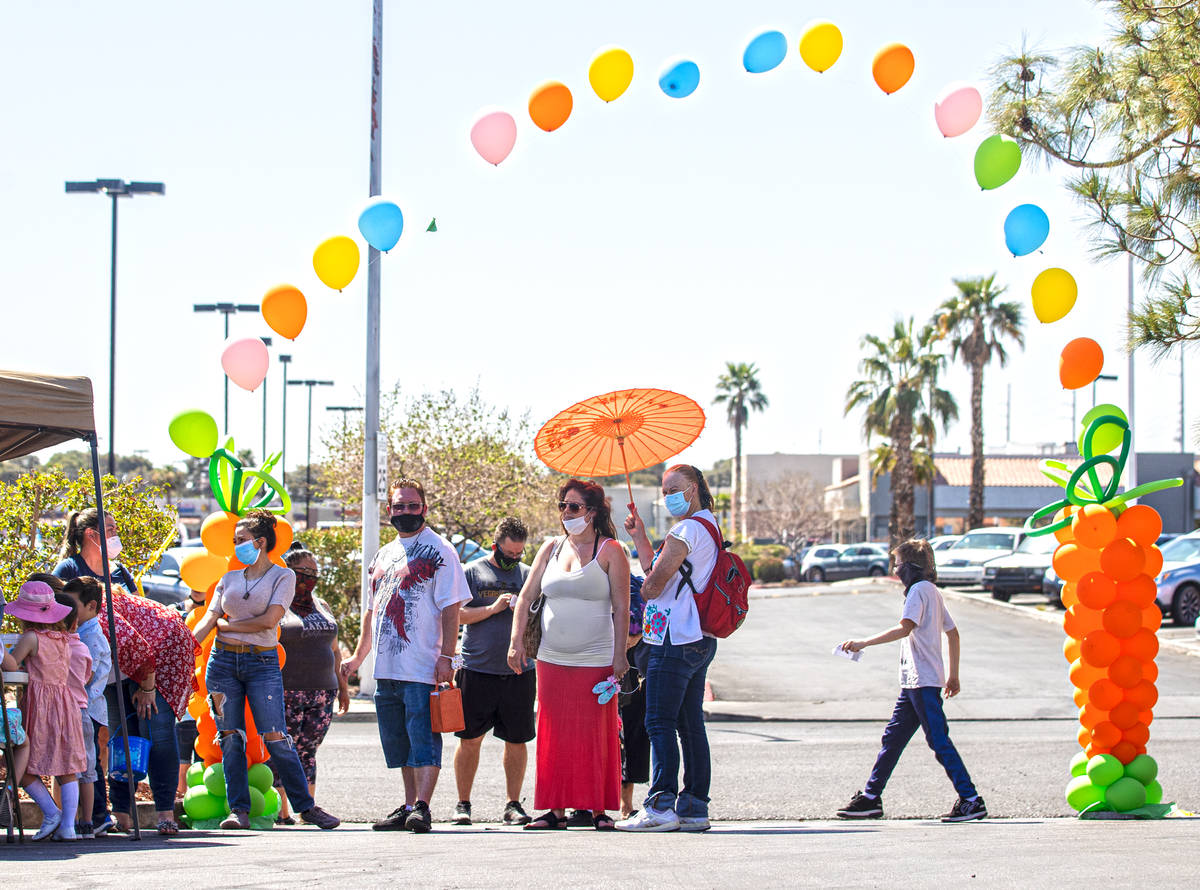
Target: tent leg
(112,636)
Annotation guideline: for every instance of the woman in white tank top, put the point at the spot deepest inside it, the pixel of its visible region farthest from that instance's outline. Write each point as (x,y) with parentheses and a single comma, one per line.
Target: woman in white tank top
(581,581)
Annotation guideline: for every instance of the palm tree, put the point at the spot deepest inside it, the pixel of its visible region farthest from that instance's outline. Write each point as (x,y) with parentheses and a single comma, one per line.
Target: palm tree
(977,323)
(741,392)
(898,401)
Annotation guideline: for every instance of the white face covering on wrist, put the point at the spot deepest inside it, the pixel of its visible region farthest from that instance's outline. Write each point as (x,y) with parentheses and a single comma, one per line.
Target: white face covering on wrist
(575,526)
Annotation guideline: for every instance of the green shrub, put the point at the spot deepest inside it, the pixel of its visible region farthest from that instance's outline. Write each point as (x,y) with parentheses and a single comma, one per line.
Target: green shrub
(768,569)
(339,554)
(750,562)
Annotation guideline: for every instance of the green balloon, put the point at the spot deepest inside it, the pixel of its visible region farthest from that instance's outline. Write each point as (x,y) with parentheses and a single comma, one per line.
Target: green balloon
(1144,768)
(1154,792)
(214,780)
(195,775)
(261,777)
(1125,794)
(1082,794)
(273,803)
(1104,769)
(258,803)
(997,160)
(1109,437)
(1079,764)
(194,433)
(199,804)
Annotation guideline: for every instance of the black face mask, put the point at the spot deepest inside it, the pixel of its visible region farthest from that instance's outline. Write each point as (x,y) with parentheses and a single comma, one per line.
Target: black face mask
(910,573)
(406,523)
(506,563)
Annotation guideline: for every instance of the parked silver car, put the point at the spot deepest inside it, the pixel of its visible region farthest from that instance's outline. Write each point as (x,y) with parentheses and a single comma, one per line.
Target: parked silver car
(1179,581)
(963,563)
(829,562)
(162,581)
(1022,571)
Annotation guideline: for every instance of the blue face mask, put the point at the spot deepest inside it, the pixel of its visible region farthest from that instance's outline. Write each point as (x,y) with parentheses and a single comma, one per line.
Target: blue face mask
(246,553)
(677,504)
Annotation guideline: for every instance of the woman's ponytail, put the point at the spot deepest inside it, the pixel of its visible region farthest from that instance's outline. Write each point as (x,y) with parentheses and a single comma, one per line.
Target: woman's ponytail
(78,522)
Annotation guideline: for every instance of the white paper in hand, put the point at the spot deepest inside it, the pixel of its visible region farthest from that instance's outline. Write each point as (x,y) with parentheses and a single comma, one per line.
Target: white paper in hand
(853,656)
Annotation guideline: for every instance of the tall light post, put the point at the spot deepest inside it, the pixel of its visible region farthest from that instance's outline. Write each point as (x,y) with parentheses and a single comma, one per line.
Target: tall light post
(345,409)
(262,458)
(226,309)
(308,460)
(114,188)
(284,360)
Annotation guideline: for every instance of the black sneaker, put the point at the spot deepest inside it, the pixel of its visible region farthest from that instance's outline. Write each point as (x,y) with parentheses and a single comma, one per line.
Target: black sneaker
(316,816)
(462,813)
(396,820)
(966,810)
(514,814)
(862,807)
(579,819)
(419,820)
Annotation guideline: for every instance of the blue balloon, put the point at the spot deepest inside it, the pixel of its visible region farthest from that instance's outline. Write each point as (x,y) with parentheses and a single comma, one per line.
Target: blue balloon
(680,80)
(765,52)
(381,224)
(1026,229)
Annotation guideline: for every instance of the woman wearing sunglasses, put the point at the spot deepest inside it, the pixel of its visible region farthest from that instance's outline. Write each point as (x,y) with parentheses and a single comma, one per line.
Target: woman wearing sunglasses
(312,676)
(580,583)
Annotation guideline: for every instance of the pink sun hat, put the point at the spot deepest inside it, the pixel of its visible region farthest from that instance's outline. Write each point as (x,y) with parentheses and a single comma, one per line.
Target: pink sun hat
(36,603)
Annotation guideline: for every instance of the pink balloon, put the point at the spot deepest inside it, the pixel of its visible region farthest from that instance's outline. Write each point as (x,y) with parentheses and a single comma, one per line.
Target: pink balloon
(246,361)
(957,109)
(494,135)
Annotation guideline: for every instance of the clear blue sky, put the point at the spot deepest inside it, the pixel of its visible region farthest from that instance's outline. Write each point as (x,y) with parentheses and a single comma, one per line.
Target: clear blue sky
(771,218)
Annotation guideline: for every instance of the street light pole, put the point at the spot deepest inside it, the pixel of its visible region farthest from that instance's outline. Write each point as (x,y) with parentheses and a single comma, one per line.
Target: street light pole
(262,458)
(226,309)
(308,460)
(345,409)
(284,360)
(114,188)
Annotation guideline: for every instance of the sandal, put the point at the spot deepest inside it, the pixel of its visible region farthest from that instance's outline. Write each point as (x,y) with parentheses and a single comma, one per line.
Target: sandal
(547,822)
(168,828)
(603,822)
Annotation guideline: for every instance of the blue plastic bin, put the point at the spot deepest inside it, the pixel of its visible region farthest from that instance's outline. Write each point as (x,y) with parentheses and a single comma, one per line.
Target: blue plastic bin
(139,752)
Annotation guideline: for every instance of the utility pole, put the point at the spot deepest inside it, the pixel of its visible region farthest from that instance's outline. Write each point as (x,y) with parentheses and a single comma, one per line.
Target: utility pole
(308,459)
(284,360)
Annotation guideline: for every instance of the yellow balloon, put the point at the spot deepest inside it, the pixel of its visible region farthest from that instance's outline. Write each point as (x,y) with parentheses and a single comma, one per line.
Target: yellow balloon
(1054,294)
(610,73)
(821,46)
(336,261)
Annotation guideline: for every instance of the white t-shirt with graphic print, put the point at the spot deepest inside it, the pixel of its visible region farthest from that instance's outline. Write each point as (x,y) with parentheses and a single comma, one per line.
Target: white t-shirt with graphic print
(411,581)
(676,607)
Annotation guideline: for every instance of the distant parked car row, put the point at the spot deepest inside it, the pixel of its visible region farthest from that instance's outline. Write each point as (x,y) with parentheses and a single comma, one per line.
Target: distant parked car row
(830,562)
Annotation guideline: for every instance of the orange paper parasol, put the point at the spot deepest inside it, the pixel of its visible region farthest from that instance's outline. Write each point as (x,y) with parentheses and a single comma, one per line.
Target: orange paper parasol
(619,432)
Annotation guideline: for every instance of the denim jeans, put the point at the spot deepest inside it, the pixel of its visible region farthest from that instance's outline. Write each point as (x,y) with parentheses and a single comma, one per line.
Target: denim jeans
(159,728)
(405,731)
(919,707)
(234,680)
(675,705)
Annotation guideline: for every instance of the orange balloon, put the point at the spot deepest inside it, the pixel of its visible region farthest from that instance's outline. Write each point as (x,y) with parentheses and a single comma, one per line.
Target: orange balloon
(1146,716)
(1084,736)
(1144,695)
(284,535)
(1122,560)
(1080,696)
(192,618)
(201,569)
(1083,675)
(1071,649)
(217,532)
(1073,561)
(196,706)
(1150,671)
(1141,523)
(892,67)
(1090,716)
(285,310)
(1124,751)
(1126,671)
(1105,694)
(1096,590)
(1081,621)
(1152,617)
(1065,535)
(256,749)
(1100,648)
(1141,591)
(1105,735)
(1137,735)
(1124,715)
(1154,561)
(206,734)
(1143,645)
(282,655)
(1094,526)
(550,105)
(1081,362)
(1122,619)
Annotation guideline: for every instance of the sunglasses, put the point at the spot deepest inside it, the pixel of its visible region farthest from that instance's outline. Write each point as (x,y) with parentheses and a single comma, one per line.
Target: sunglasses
(412,507)
(305,574)
(571,507)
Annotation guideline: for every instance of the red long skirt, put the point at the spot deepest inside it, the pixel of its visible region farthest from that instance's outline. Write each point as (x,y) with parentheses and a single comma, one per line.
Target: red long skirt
(578,752)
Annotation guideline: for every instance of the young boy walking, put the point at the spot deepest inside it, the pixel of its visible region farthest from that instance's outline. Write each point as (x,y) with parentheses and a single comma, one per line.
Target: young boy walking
(922,677)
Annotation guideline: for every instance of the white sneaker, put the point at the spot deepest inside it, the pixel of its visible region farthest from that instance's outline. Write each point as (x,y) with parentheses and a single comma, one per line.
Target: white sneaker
(65,832)
(49,823)
(694,823)
(650,820)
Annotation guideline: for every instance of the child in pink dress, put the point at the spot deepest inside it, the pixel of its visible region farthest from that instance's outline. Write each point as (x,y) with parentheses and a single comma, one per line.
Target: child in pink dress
(51,713)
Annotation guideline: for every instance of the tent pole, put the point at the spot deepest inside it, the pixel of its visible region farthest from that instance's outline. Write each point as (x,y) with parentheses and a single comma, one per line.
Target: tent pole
(112,633)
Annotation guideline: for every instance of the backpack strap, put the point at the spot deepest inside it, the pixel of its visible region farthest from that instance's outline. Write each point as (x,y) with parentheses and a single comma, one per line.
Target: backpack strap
(685,568)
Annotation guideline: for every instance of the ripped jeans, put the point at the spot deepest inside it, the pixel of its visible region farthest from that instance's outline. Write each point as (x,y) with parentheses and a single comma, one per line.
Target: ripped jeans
(235,679)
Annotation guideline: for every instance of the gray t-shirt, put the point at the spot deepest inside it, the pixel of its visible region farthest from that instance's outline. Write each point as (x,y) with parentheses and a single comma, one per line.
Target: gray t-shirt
(921,651)
(239,600)
(485,643)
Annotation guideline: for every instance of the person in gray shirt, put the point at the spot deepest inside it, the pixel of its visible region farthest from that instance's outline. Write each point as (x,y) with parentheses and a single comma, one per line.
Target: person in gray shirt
(494,697)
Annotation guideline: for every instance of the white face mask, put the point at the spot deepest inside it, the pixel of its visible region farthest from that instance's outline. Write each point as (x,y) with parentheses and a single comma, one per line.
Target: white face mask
(114,547)
(575,526)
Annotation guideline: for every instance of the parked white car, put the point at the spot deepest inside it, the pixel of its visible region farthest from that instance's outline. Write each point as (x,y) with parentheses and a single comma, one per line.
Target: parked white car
(962,564)
(943,542)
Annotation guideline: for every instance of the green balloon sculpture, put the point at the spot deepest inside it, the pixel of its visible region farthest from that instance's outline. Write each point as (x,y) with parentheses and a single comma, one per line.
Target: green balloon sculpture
(214,780)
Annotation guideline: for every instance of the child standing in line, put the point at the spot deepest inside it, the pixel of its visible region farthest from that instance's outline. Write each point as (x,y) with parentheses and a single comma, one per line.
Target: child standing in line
(922,677)
(86,593)
(51,714)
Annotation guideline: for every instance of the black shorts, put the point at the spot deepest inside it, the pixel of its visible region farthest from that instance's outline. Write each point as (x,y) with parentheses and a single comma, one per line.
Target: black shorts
(500,701)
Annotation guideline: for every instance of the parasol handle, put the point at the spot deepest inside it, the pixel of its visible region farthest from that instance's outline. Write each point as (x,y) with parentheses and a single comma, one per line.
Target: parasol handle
(625,464)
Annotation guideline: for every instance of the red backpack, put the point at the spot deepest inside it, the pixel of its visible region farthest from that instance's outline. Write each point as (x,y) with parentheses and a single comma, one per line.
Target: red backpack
(725,599)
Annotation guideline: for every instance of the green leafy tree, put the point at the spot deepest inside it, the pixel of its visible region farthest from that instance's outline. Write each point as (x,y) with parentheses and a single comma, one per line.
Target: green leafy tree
(1125,115)
(976,324)
(740,391)
(894,395)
